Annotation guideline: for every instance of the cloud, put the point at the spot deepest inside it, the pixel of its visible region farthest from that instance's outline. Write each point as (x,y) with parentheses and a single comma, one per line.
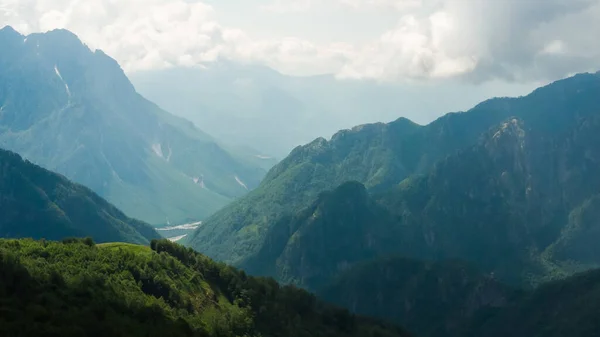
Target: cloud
(476,40)
(485,39)
(288,6)
(295,6)
(400,5)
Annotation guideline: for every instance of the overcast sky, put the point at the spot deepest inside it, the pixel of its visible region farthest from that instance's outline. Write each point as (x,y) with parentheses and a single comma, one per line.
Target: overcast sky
(519,40)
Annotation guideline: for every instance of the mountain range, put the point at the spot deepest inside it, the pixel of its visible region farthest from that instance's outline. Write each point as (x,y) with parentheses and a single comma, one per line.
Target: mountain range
(272,112)
(508,185)
(73,110)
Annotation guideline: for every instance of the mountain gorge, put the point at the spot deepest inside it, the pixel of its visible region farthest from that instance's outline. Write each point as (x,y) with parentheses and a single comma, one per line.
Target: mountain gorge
(73,110)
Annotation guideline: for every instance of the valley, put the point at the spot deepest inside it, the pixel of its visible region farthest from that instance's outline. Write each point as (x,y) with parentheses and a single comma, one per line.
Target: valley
(119,218)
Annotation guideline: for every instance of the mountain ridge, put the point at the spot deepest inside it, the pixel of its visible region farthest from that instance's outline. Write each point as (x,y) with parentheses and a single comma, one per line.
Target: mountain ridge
(38,203)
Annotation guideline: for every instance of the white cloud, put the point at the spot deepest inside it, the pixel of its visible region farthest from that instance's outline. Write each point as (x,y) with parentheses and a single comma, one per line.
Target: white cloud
(484,39)
(288,6)
(400,5)
(415,49)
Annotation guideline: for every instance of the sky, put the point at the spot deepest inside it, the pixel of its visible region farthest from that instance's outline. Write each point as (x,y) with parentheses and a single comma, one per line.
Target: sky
(511,46)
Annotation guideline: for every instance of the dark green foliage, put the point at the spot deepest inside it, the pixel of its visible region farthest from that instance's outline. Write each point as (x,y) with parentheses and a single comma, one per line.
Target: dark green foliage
(428,298)
(73,111)
(452,299)
(78,289)
(342,227)
(37,203)
(568,307)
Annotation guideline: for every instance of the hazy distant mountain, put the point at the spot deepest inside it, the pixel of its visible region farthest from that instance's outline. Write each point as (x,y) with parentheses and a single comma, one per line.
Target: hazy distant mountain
(509,186)
(272,112)
(74,111)
(231,104)
(37,203)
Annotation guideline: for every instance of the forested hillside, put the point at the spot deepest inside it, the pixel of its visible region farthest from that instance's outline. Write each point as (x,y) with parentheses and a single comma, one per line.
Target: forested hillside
(453,299)
(77,288)
(37,203)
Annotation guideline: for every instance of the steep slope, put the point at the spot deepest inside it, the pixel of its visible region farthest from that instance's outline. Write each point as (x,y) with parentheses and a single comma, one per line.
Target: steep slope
(567,307)
(82,289)
(520,204)
(510,204)
(342,227)
(428,298)
(37,203)
(380,156)
(451,299)
(73,110)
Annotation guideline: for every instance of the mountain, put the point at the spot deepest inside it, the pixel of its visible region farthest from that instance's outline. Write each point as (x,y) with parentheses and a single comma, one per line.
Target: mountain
(457,193)
(452,299)
(517,204)
(428,298)
(83,289)
(312,247)
(37,203)
(568,307)
(254,105)
(73,111)
(520,204)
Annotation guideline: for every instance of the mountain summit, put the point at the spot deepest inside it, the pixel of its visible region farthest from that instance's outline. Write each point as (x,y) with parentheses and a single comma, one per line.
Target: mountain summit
(73,110)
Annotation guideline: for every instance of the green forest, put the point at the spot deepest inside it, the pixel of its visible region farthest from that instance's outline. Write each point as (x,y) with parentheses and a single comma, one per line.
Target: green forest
(78,288)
